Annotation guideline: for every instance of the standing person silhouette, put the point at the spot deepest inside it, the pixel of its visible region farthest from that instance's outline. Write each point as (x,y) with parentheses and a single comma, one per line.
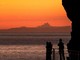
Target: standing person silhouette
(48,50)
(61,49)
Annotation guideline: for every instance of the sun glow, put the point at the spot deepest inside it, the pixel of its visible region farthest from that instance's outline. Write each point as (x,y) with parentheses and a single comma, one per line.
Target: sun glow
(32,13)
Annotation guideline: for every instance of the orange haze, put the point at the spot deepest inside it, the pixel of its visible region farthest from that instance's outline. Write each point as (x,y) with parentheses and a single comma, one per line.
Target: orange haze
(32,13)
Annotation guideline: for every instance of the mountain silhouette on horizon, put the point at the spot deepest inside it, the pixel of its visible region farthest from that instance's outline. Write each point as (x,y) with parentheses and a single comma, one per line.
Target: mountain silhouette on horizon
(43,28)
(46,25)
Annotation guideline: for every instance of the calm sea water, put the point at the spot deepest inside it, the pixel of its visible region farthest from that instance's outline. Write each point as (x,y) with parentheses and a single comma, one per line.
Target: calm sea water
(31,51)
(25,52)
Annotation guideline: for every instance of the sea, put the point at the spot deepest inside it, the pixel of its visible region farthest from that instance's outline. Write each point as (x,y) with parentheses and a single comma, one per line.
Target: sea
(14,47)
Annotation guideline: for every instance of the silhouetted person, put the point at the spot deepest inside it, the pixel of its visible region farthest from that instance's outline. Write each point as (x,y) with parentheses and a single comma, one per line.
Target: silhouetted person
(72,8)
(61,50)
(48,50)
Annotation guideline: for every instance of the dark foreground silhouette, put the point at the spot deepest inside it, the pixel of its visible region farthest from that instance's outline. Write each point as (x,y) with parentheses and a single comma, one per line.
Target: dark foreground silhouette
(72,8)
(61,49)
(48,50)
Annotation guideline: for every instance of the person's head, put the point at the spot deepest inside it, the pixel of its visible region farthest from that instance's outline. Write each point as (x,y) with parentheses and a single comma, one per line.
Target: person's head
(60,40)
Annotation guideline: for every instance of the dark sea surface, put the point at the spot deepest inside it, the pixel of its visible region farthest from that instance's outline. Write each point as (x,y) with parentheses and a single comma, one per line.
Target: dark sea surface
(25,52)
(29,47)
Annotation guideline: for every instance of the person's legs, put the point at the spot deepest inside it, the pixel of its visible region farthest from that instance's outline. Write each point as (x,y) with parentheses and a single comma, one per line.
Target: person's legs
(63,55)
(60,56)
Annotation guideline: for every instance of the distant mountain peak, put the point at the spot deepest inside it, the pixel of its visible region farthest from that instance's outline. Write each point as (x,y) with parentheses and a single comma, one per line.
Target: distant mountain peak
(43,28)
(46,25)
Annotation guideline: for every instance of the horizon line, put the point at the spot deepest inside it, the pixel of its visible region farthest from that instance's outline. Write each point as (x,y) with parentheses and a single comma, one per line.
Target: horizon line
(31,27)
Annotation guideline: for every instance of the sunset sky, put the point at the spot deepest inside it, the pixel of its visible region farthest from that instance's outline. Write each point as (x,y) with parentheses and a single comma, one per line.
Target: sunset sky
(32,13)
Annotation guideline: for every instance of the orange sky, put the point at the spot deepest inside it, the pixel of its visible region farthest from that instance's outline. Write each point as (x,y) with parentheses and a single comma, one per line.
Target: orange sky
(32,13)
